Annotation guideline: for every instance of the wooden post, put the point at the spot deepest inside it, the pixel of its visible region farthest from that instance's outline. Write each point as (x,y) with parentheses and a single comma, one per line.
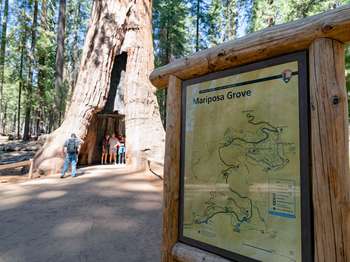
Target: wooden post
(172,169)
(30,174)
(330,152)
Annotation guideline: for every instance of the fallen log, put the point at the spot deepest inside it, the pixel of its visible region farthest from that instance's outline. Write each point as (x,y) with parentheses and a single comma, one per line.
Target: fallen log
(15,165)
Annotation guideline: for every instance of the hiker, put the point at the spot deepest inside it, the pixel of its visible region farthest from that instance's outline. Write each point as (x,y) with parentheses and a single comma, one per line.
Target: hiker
(105,149)
(121,151)
(71,149)
(113,149)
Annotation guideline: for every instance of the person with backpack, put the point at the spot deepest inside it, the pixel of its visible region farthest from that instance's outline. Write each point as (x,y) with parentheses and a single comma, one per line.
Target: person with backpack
(71,149)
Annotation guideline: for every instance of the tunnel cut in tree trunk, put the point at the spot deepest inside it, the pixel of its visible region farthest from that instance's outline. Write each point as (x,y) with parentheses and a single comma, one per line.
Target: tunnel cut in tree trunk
(111,120)
(113,91)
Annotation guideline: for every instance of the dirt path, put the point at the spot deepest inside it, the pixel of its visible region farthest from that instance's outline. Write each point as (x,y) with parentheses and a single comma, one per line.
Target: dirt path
(103,215)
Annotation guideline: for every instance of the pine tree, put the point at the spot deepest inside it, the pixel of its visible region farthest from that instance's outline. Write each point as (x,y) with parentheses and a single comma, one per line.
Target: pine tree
(23,32)
(2,64)
(60,90)
(267,13)
(28,81)
(216,22)
(78,13)
(264,14)
(200,22)
(230,18)
(29,89)
(46,48)
(169,30)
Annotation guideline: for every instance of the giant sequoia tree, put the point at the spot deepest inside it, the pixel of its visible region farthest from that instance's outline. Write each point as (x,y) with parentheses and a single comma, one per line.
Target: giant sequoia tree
(116,28)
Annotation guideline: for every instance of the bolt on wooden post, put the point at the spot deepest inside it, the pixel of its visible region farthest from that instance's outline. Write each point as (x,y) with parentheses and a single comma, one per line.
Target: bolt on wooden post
(257,154)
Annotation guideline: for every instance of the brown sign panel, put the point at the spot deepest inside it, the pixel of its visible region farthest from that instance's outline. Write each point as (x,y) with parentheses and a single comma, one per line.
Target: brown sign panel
(245,191)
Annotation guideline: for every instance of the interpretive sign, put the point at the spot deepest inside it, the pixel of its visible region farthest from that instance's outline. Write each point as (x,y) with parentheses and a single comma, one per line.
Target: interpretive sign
(245,162)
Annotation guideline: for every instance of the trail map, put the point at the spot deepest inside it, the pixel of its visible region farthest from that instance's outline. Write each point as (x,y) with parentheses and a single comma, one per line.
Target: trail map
(241,164)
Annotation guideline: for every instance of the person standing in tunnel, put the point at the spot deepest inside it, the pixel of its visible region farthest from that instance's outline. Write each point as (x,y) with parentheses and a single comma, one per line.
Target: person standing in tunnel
(113,149)
(105,149)
(121,151)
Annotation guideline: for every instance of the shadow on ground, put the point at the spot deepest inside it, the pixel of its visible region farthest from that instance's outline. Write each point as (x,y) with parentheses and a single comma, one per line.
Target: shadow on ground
(104,215)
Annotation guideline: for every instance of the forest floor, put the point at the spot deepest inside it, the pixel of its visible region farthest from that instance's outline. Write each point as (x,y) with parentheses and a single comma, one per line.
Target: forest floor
(12,151)
(105,214)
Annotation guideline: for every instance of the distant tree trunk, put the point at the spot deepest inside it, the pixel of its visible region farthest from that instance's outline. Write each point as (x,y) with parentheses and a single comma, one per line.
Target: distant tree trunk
(42,57)
(28,107)
(75,57)
(75,52)
(60,58)
(19,101)
(21,67)
(197,24)
(271,19)
(231,20)
(5,117)
(20,88)
(1,10)
(115,27)
(14,123)
(2,62)
(43,19)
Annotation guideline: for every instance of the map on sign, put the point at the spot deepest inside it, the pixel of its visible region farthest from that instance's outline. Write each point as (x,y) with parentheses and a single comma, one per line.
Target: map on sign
(242,164)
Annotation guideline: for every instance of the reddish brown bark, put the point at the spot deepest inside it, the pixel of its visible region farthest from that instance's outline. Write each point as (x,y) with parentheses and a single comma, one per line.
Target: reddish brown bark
(115,27)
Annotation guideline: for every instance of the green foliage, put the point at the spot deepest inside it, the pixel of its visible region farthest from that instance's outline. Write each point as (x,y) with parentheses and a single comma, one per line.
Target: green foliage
(19,42)
(169,34)
(215,22)
(270,12)
(264,14)
(220,20)
(169,18)
(178,26)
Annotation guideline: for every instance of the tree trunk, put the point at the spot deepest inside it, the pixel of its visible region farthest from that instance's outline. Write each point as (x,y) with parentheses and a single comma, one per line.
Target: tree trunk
(28,109)
(2,61)
(115,27)
(197,24)
(42,57)
(231,20)
(75,52)
(5,118)
(60,58)
(75,55)
(21,67)
(19,104)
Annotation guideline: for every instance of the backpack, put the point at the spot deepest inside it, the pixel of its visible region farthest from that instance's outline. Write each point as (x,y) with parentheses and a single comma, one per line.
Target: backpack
(71,146)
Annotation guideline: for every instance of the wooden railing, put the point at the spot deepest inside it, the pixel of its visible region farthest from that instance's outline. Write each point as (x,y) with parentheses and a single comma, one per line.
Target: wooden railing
(20,164)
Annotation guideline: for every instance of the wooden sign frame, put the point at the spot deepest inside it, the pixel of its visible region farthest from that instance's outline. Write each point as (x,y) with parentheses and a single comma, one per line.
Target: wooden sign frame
(305,171)
(323,36)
